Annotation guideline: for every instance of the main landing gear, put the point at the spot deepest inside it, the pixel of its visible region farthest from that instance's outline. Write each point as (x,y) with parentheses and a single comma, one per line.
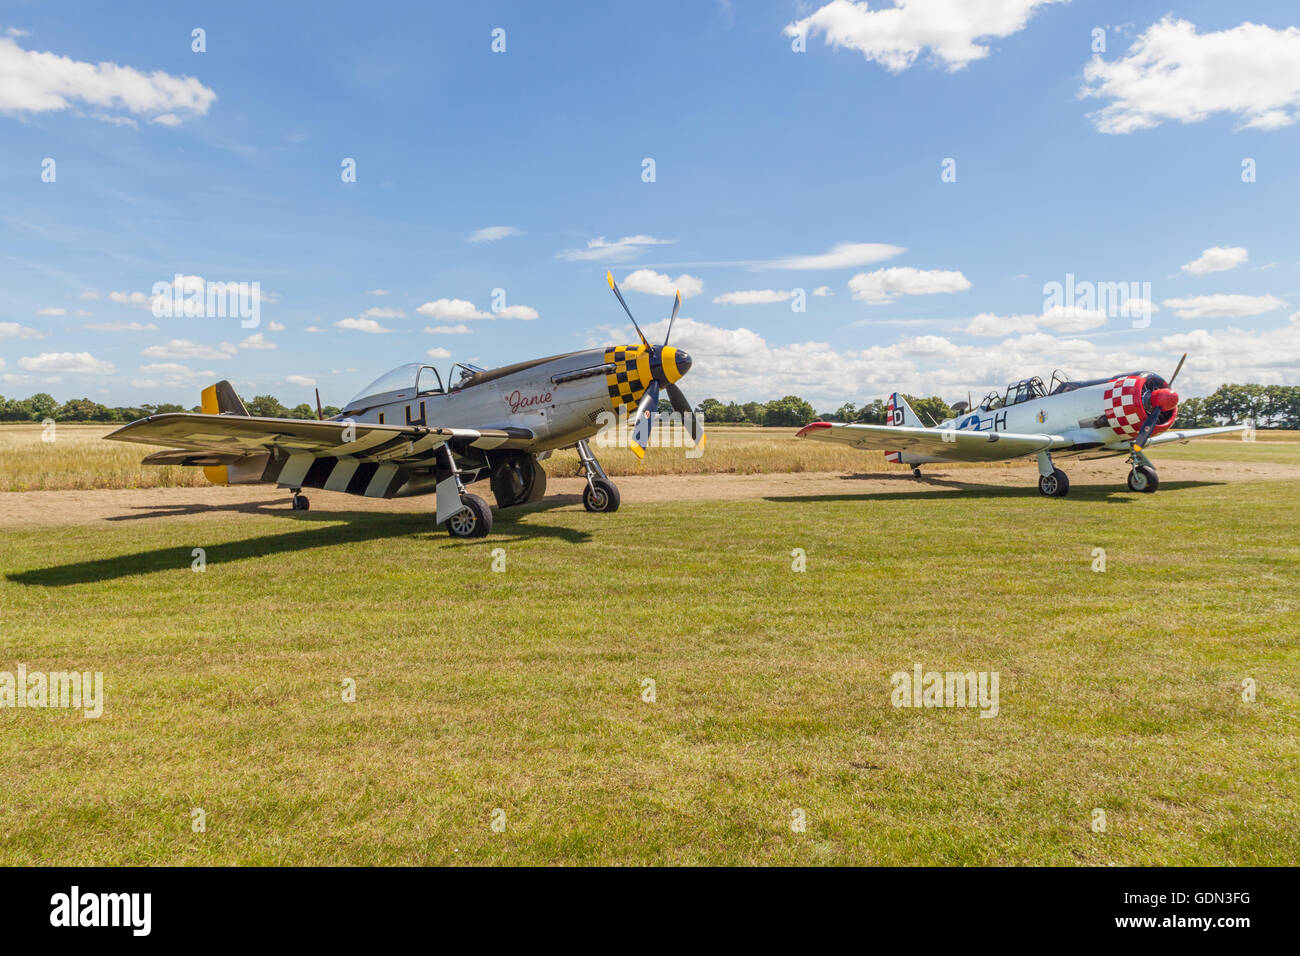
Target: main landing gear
(1051,480)
(300,502)
(600,495)
(1143,475)
(474,518)
(475,521)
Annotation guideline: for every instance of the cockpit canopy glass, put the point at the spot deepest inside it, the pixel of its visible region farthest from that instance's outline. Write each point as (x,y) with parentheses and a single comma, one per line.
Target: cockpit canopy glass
(405,381)
(461,373)
(1025,390)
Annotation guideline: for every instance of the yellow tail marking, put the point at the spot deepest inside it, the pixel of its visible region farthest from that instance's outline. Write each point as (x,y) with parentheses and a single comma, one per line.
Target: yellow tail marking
(216,474)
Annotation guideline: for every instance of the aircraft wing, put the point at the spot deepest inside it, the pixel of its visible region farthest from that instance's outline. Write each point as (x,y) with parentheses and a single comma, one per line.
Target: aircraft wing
(241,435)
(1187,434)
(947,443)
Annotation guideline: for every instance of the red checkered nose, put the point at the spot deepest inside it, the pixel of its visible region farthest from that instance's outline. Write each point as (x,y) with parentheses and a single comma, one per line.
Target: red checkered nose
(1165,399)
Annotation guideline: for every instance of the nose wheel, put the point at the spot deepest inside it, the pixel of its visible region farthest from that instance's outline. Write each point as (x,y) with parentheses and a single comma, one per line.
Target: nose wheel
(1143,478)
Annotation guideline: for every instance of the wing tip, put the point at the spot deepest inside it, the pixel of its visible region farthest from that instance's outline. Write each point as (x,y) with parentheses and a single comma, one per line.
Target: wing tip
(812,427)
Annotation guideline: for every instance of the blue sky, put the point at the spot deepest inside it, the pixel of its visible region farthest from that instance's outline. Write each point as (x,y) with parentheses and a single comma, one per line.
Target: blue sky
(765,160)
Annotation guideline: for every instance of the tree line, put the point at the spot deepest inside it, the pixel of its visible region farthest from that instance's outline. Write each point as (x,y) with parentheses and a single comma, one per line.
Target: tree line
(1268,406)
(42,406)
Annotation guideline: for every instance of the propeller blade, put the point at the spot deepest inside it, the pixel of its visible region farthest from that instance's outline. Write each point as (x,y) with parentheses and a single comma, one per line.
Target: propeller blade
(1177,370)
(677,304)
(320,414)
(1147,428)
(689,418)
(646,411)
(609,277)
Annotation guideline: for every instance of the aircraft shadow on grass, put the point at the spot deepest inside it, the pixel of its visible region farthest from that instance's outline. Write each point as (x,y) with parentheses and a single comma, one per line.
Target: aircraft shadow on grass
(948,489)
(310,531)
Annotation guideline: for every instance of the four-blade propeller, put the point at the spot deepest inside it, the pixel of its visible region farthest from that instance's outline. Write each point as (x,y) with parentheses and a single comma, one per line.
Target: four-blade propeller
(1163,400)
(666,366)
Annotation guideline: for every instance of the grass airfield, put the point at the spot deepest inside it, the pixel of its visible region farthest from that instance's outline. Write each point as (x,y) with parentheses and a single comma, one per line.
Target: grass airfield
(521,691)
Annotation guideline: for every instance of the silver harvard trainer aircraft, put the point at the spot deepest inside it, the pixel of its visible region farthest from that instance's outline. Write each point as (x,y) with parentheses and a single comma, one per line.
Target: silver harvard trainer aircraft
(1104,417)
(409,433)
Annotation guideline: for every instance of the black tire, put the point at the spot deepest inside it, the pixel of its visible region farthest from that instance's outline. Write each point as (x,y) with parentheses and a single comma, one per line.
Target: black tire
(600,496)
(1055,485)
(473,521)
(1143,478)
(517,479)
(916,472)
(300,503)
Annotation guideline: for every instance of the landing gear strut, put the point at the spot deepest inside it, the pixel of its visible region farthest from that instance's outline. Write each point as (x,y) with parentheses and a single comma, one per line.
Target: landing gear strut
(473,519)
(1143,475)
(300,502)
(1051,480)
(600,494)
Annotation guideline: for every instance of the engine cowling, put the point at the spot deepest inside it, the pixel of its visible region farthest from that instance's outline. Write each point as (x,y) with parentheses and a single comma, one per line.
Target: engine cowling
(1130,400)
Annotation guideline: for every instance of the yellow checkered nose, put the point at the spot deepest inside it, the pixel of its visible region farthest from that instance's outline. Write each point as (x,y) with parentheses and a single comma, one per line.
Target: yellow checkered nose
(676,363)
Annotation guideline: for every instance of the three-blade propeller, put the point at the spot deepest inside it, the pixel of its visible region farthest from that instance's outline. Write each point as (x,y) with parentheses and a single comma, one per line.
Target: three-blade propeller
(1162,400)
(660,357)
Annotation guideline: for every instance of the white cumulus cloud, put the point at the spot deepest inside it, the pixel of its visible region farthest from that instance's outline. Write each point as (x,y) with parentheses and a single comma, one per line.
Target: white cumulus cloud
(894,36)
(12,330)
(360,325)
(886,285)
(1216,259)
(37,82)
(1171,72)
(73,363)
(656,283)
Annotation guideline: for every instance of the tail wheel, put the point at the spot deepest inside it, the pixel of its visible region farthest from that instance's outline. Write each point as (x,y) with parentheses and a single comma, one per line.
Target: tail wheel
(600,496)
(300,503)
(1055,485)
(474,521)
(1143,478)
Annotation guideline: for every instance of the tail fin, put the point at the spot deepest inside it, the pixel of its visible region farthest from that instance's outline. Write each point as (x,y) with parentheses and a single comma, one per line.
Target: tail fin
(898,412)
(220,399)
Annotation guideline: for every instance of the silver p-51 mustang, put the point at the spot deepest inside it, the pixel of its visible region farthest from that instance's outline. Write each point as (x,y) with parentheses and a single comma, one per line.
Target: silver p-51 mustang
(411,433)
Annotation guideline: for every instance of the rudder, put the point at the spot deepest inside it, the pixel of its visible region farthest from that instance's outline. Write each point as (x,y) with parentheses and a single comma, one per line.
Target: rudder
(220,399)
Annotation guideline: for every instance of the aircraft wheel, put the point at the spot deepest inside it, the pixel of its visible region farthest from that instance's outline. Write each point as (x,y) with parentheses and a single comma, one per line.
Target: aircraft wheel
(600,496)
(1143,478)
(1055,485)
(916,472)
(300,503)
(474,521)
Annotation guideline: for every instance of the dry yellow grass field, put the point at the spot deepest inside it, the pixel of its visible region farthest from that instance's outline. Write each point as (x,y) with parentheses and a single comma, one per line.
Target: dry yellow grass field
(79,459)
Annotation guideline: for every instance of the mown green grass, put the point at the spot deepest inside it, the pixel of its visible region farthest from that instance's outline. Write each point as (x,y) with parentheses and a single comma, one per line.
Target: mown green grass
(522,690)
